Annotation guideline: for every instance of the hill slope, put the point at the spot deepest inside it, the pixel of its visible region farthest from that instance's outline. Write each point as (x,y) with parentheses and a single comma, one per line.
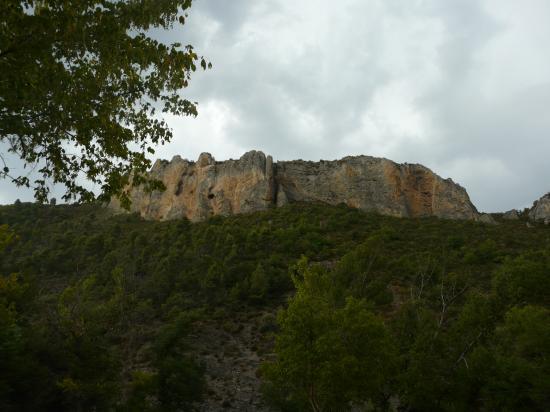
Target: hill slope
(118,312)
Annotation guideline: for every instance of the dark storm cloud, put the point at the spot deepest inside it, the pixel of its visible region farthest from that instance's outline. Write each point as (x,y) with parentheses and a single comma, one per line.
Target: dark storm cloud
(460,86)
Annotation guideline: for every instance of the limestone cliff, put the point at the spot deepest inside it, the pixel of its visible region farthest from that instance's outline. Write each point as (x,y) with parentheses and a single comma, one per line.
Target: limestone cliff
(204,188)
(541,209)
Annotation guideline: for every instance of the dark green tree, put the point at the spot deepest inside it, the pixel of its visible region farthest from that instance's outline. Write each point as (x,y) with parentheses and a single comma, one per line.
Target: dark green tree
(20,371)
(524,280)
(180,380)
(83,84)
(259,283)
(89,367)
(520,364)
(329,357)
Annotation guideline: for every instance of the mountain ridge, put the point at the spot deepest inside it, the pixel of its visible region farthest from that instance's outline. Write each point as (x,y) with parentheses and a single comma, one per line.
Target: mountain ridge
(198,190)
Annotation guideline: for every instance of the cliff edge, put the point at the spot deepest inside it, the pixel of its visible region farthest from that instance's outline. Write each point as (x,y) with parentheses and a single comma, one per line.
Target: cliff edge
(198,190)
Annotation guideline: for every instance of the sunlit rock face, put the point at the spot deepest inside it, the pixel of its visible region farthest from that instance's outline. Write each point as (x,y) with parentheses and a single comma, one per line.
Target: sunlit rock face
(204,188)
(376,184)
(198,190)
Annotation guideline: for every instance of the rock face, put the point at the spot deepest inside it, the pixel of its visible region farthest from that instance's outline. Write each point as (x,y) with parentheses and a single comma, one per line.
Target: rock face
(369,183)
(541,209)
(198,190)
(205,188)
(487,219)
(511,215)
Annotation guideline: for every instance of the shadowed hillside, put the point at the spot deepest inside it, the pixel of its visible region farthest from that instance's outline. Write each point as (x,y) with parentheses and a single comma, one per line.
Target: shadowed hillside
(119,313)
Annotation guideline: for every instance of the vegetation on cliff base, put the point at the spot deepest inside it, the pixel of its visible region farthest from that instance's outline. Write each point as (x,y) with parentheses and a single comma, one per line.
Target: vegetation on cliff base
(424,314)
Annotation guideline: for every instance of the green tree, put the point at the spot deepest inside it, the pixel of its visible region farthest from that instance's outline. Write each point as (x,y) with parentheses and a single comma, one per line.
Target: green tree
(21,373)
(259,284)
(524,280)
(329,357)
(180,380)
(10,332)
(521,355)
(83,84)
(12,342)
(88,367)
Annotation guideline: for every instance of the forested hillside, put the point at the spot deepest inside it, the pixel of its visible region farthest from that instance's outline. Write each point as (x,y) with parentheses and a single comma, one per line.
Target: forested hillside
(103,312)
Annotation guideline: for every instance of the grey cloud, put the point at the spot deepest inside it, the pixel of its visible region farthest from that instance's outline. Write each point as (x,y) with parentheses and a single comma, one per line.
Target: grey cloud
(418,82)
(229,14)
(512,129)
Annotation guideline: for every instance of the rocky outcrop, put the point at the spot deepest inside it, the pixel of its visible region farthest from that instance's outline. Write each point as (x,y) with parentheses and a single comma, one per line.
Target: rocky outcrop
(370,183)
(487,219)
(541,210)
(254,182)
(198,190)
(511,215)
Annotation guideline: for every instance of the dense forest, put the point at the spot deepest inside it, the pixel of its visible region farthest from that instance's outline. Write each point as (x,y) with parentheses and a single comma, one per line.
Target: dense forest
(344,309)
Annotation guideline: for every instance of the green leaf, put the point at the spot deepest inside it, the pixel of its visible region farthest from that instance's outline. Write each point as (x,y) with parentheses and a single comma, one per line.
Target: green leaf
(65,84)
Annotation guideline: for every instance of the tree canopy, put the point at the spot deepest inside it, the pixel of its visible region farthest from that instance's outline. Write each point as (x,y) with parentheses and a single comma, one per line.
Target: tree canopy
(103,312)
(329,354)
(83,88)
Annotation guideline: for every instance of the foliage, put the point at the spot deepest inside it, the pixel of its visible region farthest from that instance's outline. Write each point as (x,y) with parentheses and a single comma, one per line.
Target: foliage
(6,237)
(83,84)
(100,310)
(328,356)
(524,280)
(520,361)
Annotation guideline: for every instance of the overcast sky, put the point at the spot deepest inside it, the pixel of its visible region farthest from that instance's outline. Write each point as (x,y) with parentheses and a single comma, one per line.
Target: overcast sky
(461,86)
